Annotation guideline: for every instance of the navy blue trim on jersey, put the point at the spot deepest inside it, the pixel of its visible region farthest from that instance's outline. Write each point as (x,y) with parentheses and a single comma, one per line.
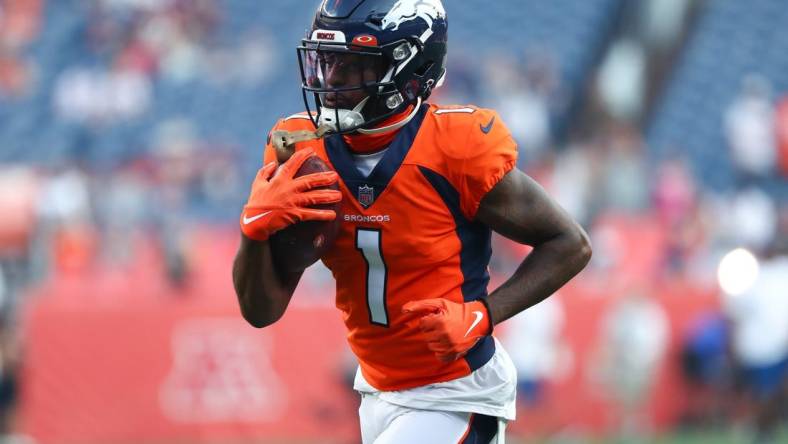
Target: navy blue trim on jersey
(342,159)
(481,353)
(482,429)
(475,252)
(474,236)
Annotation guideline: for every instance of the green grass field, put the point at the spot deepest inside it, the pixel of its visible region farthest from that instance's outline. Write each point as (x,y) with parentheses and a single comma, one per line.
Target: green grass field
(704,437)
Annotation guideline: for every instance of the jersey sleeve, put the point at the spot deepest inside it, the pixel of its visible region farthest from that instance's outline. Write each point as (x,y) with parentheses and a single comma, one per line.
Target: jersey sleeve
(269,154)
(293,123)
(492,152)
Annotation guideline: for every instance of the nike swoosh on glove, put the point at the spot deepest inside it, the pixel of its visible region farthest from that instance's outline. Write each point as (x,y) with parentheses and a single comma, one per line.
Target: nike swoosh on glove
(451,328)
(279,200)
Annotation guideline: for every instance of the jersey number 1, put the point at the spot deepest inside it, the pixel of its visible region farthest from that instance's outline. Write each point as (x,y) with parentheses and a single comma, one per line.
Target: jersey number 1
(368,242)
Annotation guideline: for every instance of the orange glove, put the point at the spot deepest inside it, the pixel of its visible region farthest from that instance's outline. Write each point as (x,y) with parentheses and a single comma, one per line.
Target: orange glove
(283,200)
(451,328)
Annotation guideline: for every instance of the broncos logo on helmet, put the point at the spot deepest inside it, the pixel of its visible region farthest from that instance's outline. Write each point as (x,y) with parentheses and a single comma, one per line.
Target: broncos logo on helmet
(407,10)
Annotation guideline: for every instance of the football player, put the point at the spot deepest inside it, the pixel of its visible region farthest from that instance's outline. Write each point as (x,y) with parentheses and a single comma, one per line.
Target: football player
(421,187)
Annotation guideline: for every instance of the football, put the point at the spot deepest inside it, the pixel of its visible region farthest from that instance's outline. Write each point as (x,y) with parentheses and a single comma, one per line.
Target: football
(302,244)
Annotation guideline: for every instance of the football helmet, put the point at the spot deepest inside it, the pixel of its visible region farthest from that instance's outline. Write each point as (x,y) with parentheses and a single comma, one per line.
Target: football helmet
(367,60)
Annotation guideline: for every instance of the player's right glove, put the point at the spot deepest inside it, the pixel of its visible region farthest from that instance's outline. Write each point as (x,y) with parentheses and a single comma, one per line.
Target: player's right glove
(278,199)
(451,328)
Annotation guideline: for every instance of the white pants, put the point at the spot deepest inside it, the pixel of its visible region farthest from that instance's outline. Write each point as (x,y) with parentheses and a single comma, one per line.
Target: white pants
(386,423)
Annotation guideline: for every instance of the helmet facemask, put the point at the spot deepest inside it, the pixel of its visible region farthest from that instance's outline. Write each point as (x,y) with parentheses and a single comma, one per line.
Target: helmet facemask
(352,87)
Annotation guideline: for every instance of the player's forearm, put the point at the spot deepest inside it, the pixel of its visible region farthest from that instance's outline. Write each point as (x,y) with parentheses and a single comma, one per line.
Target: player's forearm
(547,268)
(262,293)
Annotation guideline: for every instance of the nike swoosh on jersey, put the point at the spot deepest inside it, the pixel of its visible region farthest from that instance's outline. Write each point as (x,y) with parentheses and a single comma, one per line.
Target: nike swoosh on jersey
(479,317)
(486,129)
(248,220)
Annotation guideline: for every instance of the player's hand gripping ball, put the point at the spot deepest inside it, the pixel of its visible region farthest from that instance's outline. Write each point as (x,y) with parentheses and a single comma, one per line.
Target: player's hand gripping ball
(295,207)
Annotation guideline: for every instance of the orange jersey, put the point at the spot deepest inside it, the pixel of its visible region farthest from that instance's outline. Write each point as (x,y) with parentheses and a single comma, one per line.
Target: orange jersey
(408,233)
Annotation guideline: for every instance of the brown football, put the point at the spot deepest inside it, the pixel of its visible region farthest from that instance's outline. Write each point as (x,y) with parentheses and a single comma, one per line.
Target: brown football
(302,244)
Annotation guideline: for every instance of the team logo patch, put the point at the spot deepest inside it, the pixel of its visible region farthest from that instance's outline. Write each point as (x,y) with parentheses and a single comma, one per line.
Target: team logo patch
(407,10)
(366,195)
(365,40)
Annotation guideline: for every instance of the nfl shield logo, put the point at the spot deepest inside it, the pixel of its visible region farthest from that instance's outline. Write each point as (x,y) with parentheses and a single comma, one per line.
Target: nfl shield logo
(366,195)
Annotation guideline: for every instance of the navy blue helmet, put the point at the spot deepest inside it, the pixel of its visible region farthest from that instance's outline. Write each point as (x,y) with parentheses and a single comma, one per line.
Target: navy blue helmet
(367,60)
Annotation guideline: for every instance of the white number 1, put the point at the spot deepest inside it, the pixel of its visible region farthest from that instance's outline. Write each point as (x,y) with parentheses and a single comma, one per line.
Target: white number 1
(368,242)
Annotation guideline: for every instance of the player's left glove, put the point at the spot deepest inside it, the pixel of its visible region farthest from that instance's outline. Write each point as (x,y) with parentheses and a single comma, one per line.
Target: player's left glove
(451,328)
(280,200)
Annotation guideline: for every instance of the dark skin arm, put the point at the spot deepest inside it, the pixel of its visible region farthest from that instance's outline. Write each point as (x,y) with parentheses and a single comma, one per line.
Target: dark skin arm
(263,292)
(520,209)
(517,207)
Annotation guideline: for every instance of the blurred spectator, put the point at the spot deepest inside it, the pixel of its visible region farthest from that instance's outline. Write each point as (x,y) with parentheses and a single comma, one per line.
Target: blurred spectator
(674,193)
(220,183)
(682,244)
(749,218)
(749,126)
(14,74)
(610,253)
(138,57)
(177,31)
(19,21)
(5,291)
(174,156)
(95,97)
(576,170)
(682,216)
(621,81)
(123,207)
(17,205)
(624,173)
(65,220)
(534,338)
(661,22)
(254,62)
(781,126)
(19,24)
(541,96)
(9,383)
(65,198)
(707,367)
(258,56)
(634,340)
(760,342)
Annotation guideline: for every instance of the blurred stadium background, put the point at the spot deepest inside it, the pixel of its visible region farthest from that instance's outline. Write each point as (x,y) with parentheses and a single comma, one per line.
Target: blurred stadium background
(130,131)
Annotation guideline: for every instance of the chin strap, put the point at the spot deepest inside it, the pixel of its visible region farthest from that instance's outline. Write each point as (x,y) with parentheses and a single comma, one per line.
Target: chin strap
(393,126)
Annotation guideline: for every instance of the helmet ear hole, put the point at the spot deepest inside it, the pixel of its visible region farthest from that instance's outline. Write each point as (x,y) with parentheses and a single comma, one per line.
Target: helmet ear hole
(426,85)
(423,69)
